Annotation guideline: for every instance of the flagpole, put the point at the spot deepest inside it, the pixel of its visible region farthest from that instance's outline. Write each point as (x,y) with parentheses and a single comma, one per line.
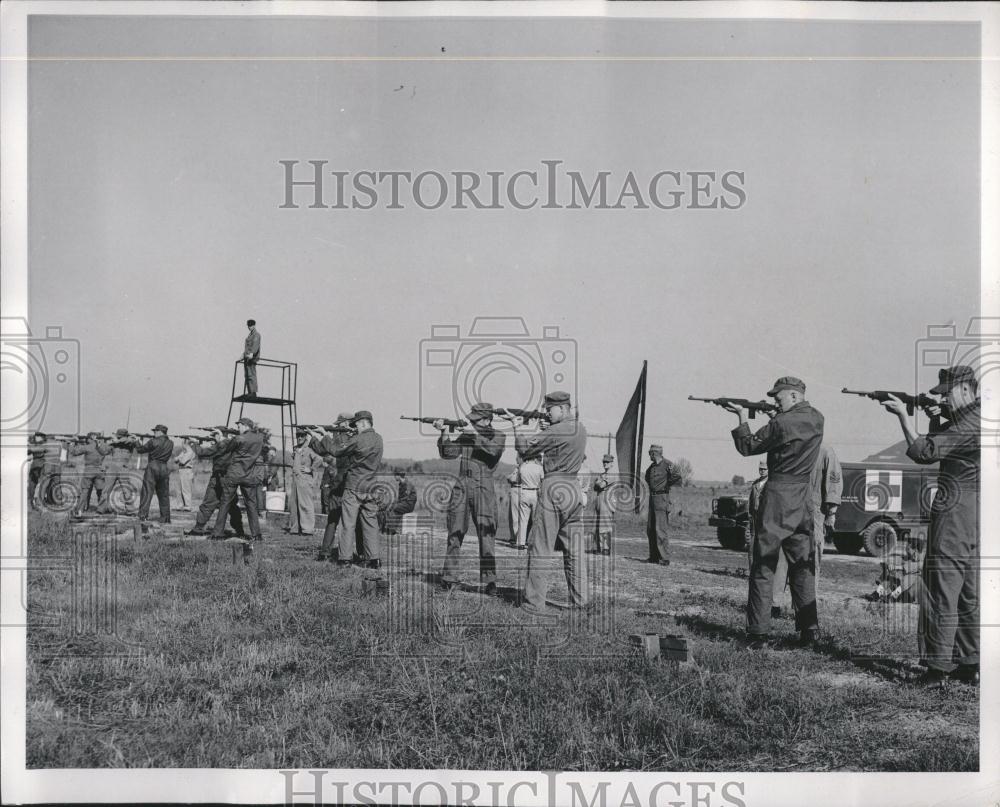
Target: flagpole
(638,448)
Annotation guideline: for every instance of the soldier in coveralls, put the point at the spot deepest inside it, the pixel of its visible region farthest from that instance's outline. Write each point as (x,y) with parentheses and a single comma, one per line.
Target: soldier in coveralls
(949,609)
(604,488)
(116,473)
(220,457)
(478,449)
(242,452)
(325,445)
(157,477)
(251,355)
(792,441)
(558,523)
(661,475)
(94,451)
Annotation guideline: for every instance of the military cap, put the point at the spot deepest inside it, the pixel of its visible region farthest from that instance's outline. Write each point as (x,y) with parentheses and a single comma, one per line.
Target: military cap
(251,322)
(607,458)
(952,376)
(557,398)
(361,414)
(121,432)
(787,382)
(247,422)
(343,417)
(480,411)
(159,427)
(656,447)
(43,435)
(762,466)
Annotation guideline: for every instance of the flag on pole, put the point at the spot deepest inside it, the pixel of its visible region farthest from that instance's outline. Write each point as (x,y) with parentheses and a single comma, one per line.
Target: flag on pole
(628,438)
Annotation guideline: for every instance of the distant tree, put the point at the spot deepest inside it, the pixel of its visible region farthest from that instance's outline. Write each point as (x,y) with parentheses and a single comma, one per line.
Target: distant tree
(738,481)
(685,470)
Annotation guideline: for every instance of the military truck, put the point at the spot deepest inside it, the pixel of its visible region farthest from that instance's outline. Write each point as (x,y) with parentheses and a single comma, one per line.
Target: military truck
(730,517)
(886,499)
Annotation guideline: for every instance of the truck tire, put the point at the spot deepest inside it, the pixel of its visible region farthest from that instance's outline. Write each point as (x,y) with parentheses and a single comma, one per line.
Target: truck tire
(847,543)
(733,538)
(879,538)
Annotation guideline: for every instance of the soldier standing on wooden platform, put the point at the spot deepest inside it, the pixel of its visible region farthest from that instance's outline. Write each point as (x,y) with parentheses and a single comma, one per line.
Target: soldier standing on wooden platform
(251,354)
(243,451)
(558,524)
(92,479)
(792,441)
(157,477)
(949,609)
(478,449)
(301,509)
(661,475)
(213,490)
(603,487)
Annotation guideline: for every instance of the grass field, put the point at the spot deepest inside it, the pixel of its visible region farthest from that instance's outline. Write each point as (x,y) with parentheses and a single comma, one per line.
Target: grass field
(289,662)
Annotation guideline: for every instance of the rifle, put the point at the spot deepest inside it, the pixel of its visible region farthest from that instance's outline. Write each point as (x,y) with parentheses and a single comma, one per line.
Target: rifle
(223,429)
(912,401)
(69,438)
(201,438)
(524,414)
(753,407)
(324,427)
(451,424)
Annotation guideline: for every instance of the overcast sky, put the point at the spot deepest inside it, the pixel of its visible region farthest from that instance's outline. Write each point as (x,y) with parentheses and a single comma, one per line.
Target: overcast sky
(155,227)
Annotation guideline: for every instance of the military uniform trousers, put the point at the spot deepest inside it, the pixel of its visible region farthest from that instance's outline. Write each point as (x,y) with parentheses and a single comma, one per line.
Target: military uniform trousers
(301,510)
(558,526)
(34,477)
(118,490)
(468,499)
(247,485)
(949,609)
(250,376)
(780,571)
(156,479)
(523,504)
(605,511)
(90,481)
(359,512)
(656,527)
(333,515)
(210,503)
(784,525)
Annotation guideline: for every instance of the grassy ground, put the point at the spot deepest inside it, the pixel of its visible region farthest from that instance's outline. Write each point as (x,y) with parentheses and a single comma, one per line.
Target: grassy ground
(288,662)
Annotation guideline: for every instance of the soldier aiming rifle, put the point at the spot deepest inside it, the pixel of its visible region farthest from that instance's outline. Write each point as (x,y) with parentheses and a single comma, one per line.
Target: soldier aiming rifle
(751,407)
